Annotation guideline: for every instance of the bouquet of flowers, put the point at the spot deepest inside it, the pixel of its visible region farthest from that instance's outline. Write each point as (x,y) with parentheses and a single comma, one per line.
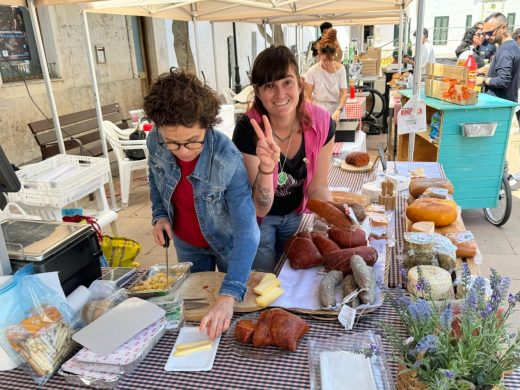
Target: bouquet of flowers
(462,344)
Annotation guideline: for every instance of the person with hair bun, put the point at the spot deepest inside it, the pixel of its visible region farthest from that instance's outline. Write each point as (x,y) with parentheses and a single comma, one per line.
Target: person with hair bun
(200,193)
(326,81)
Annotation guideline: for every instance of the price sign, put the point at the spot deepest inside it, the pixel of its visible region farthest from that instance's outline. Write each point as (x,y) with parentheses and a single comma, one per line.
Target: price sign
(412,117)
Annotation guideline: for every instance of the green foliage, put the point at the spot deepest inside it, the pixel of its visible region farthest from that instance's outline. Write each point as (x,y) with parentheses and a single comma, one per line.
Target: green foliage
(464,345)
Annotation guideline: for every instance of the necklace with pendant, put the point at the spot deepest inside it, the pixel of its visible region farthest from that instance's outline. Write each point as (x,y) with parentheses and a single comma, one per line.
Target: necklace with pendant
(280,138)
(282,176)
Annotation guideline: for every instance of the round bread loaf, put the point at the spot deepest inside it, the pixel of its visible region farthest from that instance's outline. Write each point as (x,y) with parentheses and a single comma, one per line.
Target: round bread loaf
(442,212)
(358,159)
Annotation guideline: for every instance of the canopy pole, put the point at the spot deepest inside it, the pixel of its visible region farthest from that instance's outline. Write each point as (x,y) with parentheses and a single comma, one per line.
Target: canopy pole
(401,35)
(46,76)
(215,62)
(197,67)
(417,69)
(238,87)
(92,70)
(265,34)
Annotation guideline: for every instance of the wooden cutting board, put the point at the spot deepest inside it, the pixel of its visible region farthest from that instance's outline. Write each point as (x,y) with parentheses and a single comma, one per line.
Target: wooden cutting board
(352,168)
(207,284)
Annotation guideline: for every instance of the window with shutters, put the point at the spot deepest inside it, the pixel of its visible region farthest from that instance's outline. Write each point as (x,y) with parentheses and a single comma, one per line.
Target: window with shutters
(511,22)
(440,30)
(469,21)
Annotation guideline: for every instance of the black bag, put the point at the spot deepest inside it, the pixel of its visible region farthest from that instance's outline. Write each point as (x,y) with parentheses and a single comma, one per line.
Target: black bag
(136,154)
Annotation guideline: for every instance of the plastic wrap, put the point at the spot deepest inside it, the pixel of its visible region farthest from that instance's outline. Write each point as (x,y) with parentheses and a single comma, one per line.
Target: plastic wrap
(104,371)
(93,309)
(353,342)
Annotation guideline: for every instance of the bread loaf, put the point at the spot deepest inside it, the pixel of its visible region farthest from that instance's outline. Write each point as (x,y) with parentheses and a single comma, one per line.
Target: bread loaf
(420,184)
(442,212)
(350,197)
(358,159)
(244,331)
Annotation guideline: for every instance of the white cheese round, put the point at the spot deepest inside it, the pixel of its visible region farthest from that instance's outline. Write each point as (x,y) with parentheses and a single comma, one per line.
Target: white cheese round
(437,278)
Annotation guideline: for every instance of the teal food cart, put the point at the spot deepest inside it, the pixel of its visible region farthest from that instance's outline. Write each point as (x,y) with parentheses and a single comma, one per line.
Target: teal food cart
(471,146)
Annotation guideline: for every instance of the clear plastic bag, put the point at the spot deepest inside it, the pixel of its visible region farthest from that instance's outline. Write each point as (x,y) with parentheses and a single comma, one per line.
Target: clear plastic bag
(97,307)
(35,323)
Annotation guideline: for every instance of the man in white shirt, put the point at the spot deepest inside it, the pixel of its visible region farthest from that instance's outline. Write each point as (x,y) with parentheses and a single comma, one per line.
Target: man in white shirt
(427,53)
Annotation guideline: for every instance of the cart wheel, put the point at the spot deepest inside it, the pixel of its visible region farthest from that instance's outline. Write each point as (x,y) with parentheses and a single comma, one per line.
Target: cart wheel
(500,214)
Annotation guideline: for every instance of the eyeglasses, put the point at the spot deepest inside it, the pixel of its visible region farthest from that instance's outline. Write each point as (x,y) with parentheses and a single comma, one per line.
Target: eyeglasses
(174,145)
(479,34)
(492,32)
(327,50)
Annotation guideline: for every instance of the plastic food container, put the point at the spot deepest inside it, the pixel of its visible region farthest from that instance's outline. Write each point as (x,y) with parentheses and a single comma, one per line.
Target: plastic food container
(483,129)
(179,272)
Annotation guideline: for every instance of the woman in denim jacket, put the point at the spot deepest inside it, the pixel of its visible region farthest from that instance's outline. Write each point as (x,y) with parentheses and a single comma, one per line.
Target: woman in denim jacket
(304,133)
(199,189)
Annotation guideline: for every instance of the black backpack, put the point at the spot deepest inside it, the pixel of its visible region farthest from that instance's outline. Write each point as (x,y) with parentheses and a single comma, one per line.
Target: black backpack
(136,154)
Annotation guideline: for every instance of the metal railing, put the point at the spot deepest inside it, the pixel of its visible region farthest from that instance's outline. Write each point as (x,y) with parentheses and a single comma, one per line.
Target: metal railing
(10,72)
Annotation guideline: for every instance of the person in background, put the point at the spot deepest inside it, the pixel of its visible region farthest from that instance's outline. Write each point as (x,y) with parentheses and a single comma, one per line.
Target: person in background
(200,193)
(504,71)
(427,53)
(304,133)
(326,81)
(324,28)
(471,44)
(516,38)
(487,49)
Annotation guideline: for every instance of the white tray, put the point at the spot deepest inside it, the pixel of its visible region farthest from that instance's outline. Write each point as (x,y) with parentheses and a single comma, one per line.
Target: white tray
(197,361)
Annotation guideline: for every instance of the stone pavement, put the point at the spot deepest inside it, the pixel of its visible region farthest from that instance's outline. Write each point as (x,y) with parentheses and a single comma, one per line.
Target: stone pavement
(500,247)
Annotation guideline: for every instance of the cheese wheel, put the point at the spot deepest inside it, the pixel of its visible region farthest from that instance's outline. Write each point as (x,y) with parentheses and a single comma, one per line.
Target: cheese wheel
(442,212)
(419,185)
(372,190)
(423,227)
(437,278)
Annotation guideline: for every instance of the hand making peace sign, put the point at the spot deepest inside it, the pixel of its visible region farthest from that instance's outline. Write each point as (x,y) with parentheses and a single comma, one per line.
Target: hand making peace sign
(266,149)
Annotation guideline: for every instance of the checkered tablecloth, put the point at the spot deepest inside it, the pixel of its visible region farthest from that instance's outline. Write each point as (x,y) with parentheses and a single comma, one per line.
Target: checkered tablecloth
(290,371)
(355,108)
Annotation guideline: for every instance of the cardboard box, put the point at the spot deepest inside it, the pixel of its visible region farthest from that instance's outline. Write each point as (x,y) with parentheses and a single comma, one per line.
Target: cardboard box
(439,86)
(375,53)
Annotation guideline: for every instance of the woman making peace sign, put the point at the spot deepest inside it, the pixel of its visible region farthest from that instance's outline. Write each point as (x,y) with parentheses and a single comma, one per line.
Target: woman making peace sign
(301,131)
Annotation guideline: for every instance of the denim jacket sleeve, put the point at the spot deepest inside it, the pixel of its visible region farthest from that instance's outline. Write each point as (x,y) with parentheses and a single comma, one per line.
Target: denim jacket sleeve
(158,209)
(246,234)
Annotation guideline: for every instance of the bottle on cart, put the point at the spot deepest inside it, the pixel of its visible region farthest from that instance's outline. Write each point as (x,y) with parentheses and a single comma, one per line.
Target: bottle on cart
(471,65)
(352,90)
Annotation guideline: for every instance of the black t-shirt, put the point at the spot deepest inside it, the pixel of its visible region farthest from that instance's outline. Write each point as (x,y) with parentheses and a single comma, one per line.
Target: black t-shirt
(289,196)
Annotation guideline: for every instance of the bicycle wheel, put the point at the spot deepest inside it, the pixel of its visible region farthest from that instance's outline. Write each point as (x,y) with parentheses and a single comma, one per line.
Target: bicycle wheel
(500,214)
(371,102)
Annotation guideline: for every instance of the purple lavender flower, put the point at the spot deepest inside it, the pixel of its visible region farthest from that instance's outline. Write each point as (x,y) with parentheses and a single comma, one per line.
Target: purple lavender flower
(465,274)
(420,310)
(511,299)
(486,311)
(446,317)
(449,374)
(404,275)
(403,300)
(500,287)
(427,344)
(422,284)
(471,300)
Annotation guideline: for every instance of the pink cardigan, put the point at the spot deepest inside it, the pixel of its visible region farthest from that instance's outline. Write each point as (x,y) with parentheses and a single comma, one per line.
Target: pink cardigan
(314,136)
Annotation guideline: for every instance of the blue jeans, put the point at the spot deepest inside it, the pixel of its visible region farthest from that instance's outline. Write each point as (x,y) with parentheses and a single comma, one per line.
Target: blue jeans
(274,231)
(203,259)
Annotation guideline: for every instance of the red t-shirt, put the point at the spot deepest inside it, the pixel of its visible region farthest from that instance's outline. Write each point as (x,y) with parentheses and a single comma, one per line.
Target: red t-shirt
(186,226)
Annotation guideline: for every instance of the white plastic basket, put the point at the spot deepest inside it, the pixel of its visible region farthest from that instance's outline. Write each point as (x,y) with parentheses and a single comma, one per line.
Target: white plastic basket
(60,180)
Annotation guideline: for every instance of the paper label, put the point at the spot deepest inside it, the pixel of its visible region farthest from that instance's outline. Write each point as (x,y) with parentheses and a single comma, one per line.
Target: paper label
(346,316)
(464,236)
(412,117)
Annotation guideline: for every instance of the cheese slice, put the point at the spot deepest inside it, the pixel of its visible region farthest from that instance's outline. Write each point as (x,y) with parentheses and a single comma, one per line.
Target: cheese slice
(192,344)
(187,351)
(267,277)
(437,278)
(264,287)
(423,227)
(269,297)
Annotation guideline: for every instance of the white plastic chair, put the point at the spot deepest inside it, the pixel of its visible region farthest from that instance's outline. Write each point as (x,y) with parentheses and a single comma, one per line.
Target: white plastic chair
(126,165)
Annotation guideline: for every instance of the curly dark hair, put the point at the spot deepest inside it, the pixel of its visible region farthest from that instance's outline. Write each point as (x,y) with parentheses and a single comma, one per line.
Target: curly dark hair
(272,65)
(180,98)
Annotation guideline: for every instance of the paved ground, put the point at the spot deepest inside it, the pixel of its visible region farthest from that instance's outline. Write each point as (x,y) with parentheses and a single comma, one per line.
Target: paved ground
(500,247)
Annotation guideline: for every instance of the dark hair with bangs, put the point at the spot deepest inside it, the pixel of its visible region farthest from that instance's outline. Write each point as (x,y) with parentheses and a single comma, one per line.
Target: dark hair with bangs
(272,65)
(180,98)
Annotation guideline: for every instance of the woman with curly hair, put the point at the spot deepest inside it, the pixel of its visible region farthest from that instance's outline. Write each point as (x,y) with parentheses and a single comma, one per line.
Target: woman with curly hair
(471,42)
(326,81)
(200,193)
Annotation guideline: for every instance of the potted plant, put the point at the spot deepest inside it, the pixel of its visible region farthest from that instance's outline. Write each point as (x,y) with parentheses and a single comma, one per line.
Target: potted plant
(463,344)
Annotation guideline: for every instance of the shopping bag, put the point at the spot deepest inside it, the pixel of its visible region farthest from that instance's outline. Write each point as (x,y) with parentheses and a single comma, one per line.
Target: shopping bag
(120,251)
